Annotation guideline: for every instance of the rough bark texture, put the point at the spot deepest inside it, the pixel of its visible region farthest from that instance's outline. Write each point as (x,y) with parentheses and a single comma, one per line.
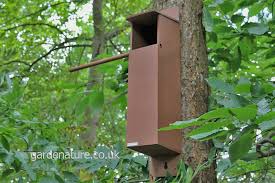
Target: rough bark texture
(91,119)
(194,90)
(161,4)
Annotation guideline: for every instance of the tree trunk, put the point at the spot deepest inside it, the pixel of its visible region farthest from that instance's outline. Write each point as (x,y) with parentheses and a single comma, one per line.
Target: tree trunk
(92,118)
(194,71)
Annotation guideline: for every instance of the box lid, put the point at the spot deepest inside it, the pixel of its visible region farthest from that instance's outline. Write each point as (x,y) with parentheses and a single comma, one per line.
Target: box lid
(147,18)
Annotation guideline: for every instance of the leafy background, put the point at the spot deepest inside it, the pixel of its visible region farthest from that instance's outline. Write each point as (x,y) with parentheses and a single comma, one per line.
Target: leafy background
(42,105)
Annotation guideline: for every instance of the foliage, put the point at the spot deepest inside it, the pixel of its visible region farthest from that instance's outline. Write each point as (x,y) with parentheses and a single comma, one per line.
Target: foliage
(42,105)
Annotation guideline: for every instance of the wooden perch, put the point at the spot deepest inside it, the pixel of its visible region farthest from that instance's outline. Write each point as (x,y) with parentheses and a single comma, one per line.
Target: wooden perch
(98,62)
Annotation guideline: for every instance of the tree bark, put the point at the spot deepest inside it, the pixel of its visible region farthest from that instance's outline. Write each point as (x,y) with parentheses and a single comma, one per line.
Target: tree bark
(92,118)
(194,71)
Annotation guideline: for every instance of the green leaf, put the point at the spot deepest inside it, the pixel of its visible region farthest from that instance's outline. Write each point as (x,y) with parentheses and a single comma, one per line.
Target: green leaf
(246,3)
(182,124)
(9,82)
(233,100)
(218,144)
(263,106)
(227,7)
(96,100)
(245,113)
(16,164)
(212,154)
(207,20)
(235,62)
(98,163)
(257,89)
(237,19)
(222,165)
(247,46)
(208,127)
(7,172)
(250,156)
(217,113)
(242,167)
(142,160)
(95,165)
(220,85)
(189,175)
(240,147)
(266,117)
(222,28)
(82,104)
(202,136)
(69,177)
(243,86)
(216,3)
(58,178)
(270,54)
(255,9)
(29,170)
(257,29)
(20,179)
(5,143)
(213,135)
(112,163)
(48,179)
(213,36)
(23,158)
(269,88)
(267,125)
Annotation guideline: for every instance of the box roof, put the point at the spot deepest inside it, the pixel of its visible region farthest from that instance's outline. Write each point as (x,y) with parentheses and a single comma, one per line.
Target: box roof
(147,18)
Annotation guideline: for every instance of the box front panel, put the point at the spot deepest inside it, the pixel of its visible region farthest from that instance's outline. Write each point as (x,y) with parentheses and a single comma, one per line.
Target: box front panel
(142,113)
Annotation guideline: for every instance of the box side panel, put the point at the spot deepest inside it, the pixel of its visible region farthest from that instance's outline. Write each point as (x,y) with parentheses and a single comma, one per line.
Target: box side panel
(169,96)
(142,97)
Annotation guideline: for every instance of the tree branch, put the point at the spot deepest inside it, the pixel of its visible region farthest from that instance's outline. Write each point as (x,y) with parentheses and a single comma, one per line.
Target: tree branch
(39,11)
(59,46)
(115,32)
(55,49)
(34,24)
(263,142)
(107,36)
(115,46)
(15,61)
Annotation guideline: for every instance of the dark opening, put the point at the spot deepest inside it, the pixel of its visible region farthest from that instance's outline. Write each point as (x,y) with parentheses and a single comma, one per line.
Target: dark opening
(144,29)
(165,165)
(144,35)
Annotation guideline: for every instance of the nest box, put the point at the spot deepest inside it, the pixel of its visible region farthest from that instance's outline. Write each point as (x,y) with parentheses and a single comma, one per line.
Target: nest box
(154,96)
(154,84)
